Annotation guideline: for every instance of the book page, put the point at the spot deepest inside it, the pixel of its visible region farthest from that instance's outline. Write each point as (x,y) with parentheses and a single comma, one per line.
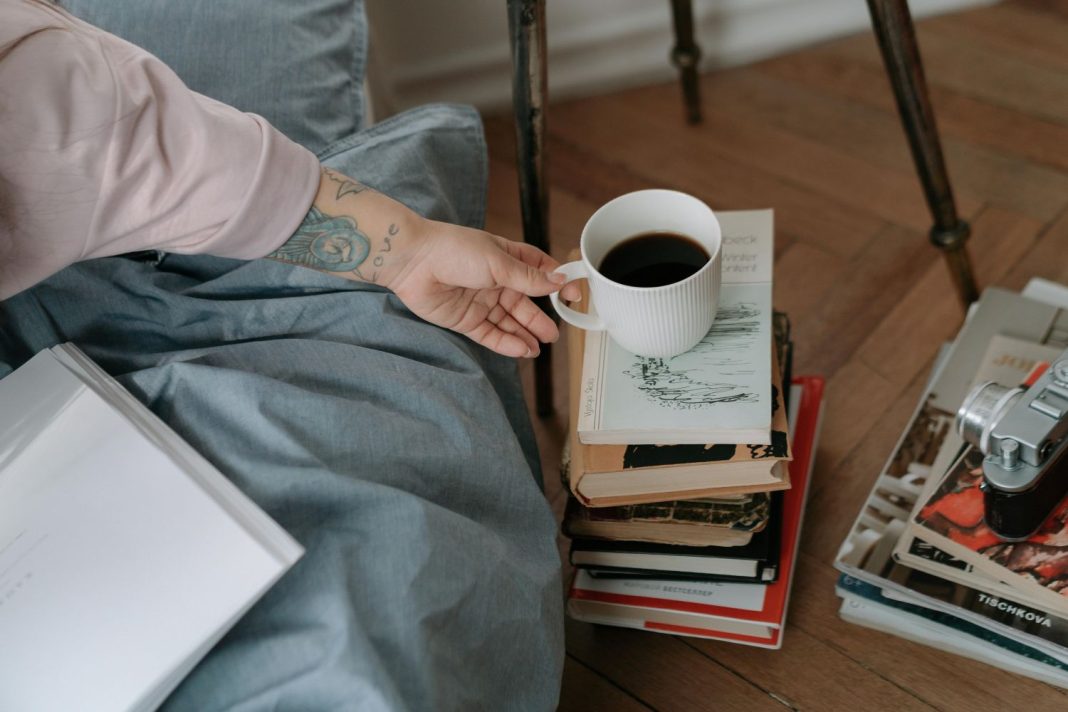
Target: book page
(196,466)
(109,546)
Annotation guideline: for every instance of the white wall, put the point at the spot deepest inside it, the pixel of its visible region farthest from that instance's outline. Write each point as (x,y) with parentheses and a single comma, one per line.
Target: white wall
(457,50)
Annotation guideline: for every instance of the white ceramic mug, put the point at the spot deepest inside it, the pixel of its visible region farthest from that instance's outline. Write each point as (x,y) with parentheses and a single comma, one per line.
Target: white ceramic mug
(648,321)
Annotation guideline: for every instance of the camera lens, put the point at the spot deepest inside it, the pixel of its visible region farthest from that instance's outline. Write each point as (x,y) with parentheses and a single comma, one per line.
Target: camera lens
(982,409)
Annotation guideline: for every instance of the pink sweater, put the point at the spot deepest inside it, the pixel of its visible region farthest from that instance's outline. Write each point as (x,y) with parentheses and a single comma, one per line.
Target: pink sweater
(103,150)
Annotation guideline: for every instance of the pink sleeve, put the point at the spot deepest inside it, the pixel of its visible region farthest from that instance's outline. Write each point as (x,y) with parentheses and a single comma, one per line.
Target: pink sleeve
(103,150)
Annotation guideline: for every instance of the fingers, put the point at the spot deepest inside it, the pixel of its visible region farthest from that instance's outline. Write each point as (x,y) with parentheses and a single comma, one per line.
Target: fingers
(496,339)
(512,273)
(529,316)
(514,326)
(529,254)
(571,292)
(499,317)
(526,269)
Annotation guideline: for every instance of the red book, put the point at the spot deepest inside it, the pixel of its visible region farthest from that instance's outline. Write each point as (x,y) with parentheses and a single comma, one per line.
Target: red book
(752,614)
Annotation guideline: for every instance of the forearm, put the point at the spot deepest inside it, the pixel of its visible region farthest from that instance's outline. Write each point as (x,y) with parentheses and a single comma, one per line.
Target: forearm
(467,280)
(353,231)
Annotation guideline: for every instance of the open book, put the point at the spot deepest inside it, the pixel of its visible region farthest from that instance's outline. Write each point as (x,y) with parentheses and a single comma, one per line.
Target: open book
(124,554)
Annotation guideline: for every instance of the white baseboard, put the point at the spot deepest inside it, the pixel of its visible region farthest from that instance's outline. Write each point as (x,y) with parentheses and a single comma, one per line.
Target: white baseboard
(632,48)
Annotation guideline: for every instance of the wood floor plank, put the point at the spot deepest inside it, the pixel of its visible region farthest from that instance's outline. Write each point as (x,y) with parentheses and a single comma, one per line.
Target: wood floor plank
(876,134)
(948,682)
(1011,29)
(860,297)
(1048,258)
(892,195)
(821,686)
(850,409)
(974,70)
(958,115)
(1056,10)
(669,674)
(691,157)
(1001,240)
(929,313)
(726,185)
(825,271)
(591,691)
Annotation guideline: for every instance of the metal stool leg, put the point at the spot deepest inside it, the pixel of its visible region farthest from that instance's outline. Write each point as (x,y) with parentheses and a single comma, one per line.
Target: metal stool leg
(685,56)
(526,22)
(901,55)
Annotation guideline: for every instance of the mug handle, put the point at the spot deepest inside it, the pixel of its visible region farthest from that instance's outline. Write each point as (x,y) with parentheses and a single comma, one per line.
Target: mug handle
(574,270)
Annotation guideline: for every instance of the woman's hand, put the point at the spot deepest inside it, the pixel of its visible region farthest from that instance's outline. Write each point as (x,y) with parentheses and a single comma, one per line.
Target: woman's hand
(479,285)
(466,280)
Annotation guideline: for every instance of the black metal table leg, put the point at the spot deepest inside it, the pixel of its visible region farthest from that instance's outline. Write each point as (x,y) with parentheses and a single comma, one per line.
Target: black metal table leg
(901,55)
(526,23)
(685,56)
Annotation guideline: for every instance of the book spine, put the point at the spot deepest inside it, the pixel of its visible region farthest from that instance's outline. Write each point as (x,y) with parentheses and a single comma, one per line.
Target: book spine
(591,385)
(765,574)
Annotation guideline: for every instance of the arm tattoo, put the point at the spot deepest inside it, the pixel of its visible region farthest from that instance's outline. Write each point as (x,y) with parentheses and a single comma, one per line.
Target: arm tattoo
(326,243)
(346,186)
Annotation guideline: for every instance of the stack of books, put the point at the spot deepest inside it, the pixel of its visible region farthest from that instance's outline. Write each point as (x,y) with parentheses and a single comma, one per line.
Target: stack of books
(920,562)
(688,476)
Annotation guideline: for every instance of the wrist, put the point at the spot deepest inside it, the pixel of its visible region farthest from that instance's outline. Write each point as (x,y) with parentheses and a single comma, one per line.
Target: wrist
(383,233)
(397,245)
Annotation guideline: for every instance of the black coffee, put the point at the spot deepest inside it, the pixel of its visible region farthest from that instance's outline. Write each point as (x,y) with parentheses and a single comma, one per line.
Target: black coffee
(653,259)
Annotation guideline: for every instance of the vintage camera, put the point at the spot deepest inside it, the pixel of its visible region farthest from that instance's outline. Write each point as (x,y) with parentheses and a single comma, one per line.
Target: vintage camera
(1021,431)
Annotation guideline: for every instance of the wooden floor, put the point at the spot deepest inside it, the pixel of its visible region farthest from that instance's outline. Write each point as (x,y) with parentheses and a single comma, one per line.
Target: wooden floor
(815,136)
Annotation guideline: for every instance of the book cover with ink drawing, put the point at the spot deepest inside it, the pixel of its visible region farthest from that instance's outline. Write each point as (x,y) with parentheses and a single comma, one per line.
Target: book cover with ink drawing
(720,390)
(611,475)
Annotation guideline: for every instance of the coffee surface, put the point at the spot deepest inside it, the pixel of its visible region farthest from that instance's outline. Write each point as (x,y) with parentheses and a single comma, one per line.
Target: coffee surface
(654,259)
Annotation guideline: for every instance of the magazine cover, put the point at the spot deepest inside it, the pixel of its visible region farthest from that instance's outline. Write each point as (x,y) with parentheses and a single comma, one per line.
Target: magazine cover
(1008,361)
(866,553)
(924,556)
(847,585)
(945,632)
(952,519)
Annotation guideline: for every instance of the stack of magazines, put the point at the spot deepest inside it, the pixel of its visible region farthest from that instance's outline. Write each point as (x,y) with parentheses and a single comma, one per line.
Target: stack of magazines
(920,561)
(688,476)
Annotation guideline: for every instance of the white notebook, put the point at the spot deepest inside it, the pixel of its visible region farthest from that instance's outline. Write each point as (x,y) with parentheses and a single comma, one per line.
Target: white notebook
(124,554)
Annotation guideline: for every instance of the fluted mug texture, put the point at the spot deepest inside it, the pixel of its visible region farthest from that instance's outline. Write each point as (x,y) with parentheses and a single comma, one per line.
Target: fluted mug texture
(659,321)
